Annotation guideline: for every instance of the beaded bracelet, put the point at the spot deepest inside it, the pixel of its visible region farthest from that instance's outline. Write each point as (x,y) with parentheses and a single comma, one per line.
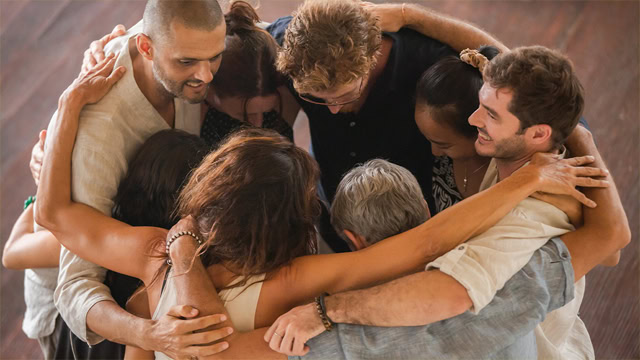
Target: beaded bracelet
(175,237)
(30,200)
(322,311)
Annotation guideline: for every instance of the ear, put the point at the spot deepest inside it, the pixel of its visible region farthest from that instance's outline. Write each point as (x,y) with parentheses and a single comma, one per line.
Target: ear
(145,46)
(358,241)
(539,134)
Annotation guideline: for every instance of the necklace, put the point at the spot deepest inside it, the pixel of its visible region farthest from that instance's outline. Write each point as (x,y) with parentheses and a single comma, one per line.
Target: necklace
(465,180)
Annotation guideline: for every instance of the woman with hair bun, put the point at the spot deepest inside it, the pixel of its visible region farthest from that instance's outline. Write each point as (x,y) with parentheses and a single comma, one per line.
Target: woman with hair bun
(247,90)
(446,96)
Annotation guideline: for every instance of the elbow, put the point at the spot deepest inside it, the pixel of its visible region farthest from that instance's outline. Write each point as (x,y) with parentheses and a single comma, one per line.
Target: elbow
(43,215)
(8,260)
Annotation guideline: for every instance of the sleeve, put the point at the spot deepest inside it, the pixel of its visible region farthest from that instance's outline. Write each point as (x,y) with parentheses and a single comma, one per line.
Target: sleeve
(485,263)
(544,284)
(95,177)
(278,28)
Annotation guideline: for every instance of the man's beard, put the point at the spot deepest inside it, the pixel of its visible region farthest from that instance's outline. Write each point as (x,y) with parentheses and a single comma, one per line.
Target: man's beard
(174,89)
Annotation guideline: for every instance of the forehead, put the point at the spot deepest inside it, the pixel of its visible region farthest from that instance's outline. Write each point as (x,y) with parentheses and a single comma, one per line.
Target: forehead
(435,131)
(337,90)
(185,42)
(493,97)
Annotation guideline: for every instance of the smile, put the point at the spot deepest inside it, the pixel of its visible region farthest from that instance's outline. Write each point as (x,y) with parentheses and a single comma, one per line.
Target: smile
(195,85)
(483,136)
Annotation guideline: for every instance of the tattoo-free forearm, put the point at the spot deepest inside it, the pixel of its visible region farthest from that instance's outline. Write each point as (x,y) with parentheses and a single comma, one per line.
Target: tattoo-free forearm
(417,299)
(109,320)
(453,32)
(606,228)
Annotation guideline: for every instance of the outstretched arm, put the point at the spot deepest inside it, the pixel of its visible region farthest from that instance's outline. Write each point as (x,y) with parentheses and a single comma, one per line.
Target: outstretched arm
(456,33)
(26,249)
(606,228)
(408,252)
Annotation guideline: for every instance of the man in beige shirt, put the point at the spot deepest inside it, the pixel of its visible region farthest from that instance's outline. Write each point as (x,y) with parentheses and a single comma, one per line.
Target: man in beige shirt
(169,64)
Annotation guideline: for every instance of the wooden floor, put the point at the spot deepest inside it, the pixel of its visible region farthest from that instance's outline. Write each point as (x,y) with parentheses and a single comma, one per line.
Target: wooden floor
(41,45)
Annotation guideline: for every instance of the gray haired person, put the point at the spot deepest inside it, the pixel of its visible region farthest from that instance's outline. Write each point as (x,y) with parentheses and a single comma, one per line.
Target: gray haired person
(377,200)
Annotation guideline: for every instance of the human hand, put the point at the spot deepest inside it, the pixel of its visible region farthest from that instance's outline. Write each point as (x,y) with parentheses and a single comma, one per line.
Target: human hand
(568,205)
(292,330)
(390,16)
(90,87)
(37,155)
(95,53)
(561,176)
(173,334)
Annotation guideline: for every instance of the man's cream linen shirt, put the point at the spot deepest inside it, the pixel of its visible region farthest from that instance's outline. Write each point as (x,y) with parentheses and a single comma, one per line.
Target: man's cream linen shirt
(109,134)
(485,263)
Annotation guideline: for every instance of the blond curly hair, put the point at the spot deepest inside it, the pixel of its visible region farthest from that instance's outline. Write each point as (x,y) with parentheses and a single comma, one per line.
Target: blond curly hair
(329,43)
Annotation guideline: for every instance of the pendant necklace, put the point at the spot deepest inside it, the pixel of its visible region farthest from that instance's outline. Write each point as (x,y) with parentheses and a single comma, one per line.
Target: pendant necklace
(465,180)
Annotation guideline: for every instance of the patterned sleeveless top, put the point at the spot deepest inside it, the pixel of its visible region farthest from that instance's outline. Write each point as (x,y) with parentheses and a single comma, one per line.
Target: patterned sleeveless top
(218,125)
(445,191)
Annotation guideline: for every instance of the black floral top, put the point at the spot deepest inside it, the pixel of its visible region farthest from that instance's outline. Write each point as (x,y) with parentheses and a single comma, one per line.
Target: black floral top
(218,125)
(445,191)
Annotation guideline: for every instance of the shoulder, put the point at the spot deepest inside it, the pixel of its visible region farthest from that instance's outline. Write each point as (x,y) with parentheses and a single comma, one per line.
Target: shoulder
(278,28)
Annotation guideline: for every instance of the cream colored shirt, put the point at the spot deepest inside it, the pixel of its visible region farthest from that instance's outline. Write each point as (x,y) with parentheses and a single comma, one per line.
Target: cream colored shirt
(241,303)
(109,134)
(485,263)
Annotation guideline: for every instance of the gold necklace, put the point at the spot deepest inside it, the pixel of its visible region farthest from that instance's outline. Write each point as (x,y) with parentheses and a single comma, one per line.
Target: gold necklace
(465,180)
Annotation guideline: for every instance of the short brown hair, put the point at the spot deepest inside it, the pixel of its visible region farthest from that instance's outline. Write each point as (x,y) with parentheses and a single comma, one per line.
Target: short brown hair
(255,202)
(195,14)
(329,43)
(545,88)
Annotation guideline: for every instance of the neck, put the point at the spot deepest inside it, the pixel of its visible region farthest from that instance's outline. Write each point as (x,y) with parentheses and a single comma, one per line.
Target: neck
(381,63)
(159,98)
(506,167)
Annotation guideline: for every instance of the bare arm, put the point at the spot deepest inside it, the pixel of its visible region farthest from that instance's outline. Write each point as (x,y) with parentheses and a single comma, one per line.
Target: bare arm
(26,249)
(312,275)
(456,33)
(606,228)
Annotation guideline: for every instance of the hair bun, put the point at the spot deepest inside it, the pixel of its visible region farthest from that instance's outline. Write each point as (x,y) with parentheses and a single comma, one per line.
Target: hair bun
(474,58)
(241,16)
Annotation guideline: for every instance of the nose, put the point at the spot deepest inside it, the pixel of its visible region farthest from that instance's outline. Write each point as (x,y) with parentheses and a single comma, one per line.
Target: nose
(474,119)
(435,150)
(255,119)
(334,108)
(203,72)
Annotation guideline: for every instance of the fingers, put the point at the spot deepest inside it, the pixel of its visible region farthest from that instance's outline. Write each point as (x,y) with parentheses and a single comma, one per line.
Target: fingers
(182,311)
(270,331)
(207,337)
(580,160)
(187,326)
(117,31)
(589,182)
(583,198)
(276,340)
(116,75)
(202,351)
(299,348)
(88,62)
(41,138)
(590,171)
(96,49)
(287,342)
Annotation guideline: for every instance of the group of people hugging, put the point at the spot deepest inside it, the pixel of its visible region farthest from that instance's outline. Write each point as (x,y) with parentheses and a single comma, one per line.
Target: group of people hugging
(453,179)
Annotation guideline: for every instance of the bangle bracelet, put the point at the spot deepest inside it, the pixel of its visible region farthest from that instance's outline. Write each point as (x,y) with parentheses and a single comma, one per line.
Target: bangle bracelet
(175,237)
(322,312)
(30,200)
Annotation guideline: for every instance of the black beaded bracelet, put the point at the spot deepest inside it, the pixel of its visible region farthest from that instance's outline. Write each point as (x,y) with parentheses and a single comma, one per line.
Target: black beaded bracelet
(322,312)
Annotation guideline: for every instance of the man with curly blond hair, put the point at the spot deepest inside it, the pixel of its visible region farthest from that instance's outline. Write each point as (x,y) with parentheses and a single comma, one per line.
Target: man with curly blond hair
(356,83)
